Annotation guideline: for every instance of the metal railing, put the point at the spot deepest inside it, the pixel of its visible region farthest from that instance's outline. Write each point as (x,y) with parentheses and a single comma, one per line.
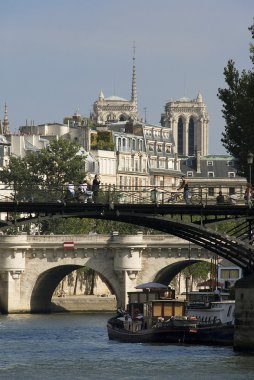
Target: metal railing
(120,195)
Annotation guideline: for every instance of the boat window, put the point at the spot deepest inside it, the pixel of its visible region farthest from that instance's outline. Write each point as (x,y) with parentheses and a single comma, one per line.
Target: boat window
(168,310)
(229,310)
(157,309)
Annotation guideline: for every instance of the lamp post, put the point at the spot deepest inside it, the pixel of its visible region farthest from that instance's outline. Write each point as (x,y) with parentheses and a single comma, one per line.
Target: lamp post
(250,162)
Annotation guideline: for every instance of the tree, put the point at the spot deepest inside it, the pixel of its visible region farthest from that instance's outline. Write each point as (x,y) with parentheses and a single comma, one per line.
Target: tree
(197,272)
(238,111)
(46,172)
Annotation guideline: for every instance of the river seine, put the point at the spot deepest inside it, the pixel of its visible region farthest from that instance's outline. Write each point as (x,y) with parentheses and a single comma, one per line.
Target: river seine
(76,346)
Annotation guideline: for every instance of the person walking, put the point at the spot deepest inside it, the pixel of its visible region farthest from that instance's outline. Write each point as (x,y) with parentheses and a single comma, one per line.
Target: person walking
(248,195)
(70,190)
(96,186)
(220,198)
(185,186)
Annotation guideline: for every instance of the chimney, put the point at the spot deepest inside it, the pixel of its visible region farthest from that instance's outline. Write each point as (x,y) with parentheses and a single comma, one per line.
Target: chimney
(198,156)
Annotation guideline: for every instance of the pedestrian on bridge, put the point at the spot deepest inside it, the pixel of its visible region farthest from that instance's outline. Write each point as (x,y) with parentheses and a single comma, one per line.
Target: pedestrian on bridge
(70,190)
(220,198)
(248,195)
(186,192)
(96,186)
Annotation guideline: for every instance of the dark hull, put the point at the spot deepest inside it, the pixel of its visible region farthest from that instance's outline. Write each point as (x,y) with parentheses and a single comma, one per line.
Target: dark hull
(209,335)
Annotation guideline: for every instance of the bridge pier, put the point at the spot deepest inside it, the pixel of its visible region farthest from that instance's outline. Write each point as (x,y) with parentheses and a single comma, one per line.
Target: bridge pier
(244,314)
(12,264)
(127,262)
(10,291)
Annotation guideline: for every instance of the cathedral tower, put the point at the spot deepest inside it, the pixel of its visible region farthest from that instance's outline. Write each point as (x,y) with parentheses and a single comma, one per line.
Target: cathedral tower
(188,120)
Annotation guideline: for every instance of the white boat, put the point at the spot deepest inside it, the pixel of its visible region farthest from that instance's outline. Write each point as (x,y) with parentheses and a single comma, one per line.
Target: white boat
(205,307)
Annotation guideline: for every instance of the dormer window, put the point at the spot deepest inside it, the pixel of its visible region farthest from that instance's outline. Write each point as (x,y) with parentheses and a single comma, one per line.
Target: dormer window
(231,174)
(189,174)
(209,163)
(210,174)
(168,149)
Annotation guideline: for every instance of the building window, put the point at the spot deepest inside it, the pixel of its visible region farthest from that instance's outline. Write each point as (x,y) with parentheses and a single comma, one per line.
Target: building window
(231,175)
(230,274)
(191,137)
(189,174)
(159,149)
(168,149)
(209,163)
(144,166)
(162,164)
(162,181)
(231,191)
(230,163)
(210,174)
(180,136)
(210,191)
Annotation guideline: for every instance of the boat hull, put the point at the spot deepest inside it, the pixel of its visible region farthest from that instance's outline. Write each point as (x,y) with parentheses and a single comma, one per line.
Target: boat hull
(208,335)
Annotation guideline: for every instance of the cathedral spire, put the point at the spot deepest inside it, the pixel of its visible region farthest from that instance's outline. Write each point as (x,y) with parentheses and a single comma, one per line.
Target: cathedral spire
(134,84)
(6,130)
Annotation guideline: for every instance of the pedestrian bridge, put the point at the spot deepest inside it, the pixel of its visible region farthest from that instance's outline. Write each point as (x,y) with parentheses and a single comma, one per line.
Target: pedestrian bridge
(189,222)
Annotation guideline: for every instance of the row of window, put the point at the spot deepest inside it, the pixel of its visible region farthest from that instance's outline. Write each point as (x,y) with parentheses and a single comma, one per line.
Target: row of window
(211,174)
(209,163)
(157,133)
(159,148)
(131,144)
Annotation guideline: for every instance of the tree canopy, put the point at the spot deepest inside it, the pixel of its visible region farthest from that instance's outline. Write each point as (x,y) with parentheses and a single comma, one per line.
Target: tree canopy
(238,111)
(46,171)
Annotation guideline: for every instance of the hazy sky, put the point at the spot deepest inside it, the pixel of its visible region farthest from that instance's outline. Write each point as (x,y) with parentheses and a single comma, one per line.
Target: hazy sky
(56,55)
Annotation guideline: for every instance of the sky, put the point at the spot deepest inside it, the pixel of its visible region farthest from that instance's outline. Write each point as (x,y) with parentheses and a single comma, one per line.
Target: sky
(56,55)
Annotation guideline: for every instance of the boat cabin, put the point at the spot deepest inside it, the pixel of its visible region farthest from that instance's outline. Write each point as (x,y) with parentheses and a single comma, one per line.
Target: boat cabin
(205,307)
(202,298)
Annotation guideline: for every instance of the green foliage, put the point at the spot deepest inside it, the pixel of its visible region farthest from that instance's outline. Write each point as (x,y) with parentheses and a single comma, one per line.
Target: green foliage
(238,111)
(198,271)
(85,226)
(45,173)
(103,140)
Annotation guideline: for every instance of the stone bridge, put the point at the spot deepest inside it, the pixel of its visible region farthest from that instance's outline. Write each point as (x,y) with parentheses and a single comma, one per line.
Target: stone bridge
(31,267)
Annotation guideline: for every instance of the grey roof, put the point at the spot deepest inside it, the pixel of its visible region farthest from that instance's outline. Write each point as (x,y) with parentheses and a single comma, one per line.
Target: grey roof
(219,165)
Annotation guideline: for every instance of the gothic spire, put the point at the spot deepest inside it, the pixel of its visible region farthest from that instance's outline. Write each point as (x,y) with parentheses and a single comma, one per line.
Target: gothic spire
(1,129)
(134,84)
(6,130)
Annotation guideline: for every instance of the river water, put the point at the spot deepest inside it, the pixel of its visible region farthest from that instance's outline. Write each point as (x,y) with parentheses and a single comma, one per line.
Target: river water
(76,346)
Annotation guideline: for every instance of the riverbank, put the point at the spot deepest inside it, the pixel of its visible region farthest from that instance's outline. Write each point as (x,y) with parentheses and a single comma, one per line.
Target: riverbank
(83,303)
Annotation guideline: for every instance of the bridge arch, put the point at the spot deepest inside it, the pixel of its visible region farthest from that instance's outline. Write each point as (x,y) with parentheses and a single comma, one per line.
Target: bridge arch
(45,284)
(168,273)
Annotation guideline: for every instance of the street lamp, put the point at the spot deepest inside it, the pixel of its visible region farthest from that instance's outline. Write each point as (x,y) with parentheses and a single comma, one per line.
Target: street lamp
(250,162)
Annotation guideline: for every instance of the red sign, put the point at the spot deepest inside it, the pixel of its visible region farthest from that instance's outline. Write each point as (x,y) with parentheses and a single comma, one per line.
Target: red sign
(68,245)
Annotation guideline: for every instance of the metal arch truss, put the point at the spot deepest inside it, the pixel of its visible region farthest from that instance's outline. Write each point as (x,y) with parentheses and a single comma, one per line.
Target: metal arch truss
(186,222)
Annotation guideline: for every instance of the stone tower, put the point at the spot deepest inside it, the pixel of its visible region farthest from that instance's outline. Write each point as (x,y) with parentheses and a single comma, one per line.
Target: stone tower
(188,121)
